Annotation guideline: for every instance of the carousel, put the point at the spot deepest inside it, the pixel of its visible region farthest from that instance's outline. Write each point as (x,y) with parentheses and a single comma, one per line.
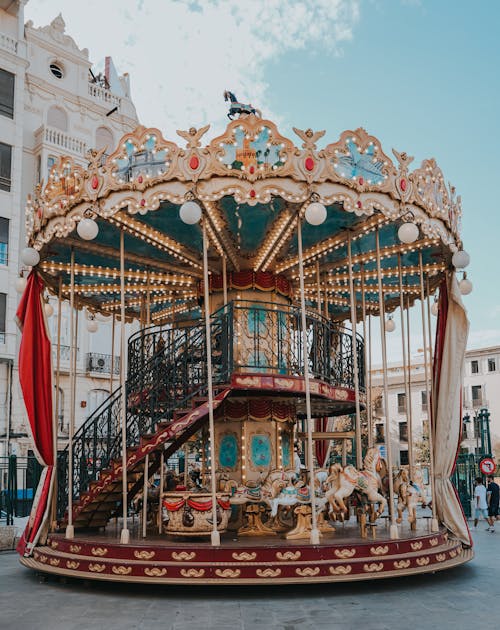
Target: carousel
(261,279)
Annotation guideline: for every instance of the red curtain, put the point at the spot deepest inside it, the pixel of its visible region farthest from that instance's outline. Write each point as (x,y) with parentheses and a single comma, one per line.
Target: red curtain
(35,376)
(321,446)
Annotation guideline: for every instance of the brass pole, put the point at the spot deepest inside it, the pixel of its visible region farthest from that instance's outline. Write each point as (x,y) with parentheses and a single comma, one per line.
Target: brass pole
(354,354)
(145,495)
(405,371)
(363,315)
(70,530)
(125,533)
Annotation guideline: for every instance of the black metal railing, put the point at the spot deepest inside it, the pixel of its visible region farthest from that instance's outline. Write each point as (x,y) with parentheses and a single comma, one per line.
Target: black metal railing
(19,478)
(101,363)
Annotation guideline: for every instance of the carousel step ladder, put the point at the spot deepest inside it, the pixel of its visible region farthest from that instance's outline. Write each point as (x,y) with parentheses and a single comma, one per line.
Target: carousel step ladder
(97,505)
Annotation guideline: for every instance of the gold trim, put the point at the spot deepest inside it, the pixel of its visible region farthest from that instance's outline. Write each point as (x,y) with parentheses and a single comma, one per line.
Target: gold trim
(373,567)
(379,551)
(75,548)
(268,573)
(54,544)
(244,555)
(71,564)
(307,571)
(423,562)
(441,557)
(121,570)
(416,546)
(183,555)
(97,568)
(433,542)
(345,553)
(288,555)
(189,573)
(54,562)
(401,564)
(99,551)
(144,555)
(228,573)
(340,570)
(155,572)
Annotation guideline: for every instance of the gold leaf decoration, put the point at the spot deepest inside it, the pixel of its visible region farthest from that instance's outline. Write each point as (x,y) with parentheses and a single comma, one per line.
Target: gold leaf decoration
(54,562)
(379,551)
(228,573)
(288,555)
(433,542)
(244,555)
(44,559)
(401,564)
(423,562)
(307,571)
(144,555)
(183,555)
(416,546)
(75,548)
(441,557)
(268,573)
(155,572)
(54,544)
(72,564)
(341,569)
(345,553)
(99,551)
(97,568)
(453,553)
(121,570)
(189,573)
(373,567)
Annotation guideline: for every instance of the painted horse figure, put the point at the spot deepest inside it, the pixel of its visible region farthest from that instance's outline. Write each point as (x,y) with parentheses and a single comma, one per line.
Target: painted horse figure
(344,481)
(239,108)
(410,493)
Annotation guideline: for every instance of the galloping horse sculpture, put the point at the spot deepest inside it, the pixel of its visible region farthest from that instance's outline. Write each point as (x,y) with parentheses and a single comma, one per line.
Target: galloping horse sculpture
(410,493)
(344,481)
(239,108)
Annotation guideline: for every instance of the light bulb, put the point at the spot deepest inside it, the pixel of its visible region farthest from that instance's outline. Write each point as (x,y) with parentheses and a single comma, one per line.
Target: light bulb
(20,284)
(390,324)
(460,259)
(87,229)
(435,308)
(315,213)
(408,233)
(30,257)
(190,212)
(465,286)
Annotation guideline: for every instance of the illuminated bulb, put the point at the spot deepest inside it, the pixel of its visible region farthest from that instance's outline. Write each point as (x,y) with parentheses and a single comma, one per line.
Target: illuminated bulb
(87,229)
(30,257)
(20,284)
(435,308)
(390,324)
(465,285)
(190,212)
(460,259)
(92,326)
(408,233)
(315,213)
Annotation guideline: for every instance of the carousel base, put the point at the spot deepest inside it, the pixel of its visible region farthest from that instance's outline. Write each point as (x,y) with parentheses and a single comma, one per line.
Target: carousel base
(341,556)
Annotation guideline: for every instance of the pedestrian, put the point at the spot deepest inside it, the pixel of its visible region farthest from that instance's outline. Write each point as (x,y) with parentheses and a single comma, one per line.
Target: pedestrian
(480,502)
(493,494)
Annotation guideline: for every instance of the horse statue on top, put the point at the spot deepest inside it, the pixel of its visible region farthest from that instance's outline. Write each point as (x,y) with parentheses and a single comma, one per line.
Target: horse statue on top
(239,108)
(344,481)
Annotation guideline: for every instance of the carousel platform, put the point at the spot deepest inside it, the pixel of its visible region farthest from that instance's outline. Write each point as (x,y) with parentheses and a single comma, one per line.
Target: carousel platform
(341,556)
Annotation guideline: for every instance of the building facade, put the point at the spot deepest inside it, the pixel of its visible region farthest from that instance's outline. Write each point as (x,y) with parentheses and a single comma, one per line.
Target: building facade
(481,390)
(51,104)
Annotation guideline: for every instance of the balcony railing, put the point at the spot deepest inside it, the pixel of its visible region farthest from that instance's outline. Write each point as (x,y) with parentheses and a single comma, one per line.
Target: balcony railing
(8,43)
(102,94)
(60,139)
(65,354)
(101,363)
(475,403)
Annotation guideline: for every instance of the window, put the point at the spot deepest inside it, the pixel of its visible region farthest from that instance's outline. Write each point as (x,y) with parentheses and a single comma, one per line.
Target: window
(5,166)
(403,432)
(492,365)
(423,397)
(104,139)
(401,403)
(57,70)
(60,409)
(3,307)
(4,241)
(57,118)
(403,458)
(95,399)
(379,433)
(7,80)
(477,395)
(474,367)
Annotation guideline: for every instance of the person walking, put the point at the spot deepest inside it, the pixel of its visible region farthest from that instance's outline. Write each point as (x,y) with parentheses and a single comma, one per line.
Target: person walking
(493,494)
(480,501)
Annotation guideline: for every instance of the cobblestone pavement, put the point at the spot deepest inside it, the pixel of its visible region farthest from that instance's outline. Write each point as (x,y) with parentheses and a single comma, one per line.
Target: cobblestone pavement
(465,597)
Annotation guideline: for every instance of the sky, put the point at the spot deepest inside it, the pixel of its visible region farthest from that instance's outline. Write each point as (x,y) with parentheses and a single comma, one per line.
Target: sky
(421,75)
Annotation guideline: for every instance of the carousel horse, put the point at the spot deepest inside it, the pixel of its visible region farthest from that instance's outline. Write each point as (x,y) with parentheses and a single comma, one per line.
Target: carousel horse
(410,494)
(344,481)
(239,108)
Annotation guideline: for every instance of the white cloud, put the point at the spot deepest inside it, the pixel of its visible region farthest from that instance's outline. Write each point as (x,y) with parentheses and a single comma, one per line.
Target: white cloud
(182,54)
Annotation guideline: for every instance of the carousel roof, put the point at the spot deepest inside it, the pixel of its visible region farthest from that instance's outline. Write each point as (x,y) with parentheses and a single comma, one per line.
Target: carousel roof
(254,185)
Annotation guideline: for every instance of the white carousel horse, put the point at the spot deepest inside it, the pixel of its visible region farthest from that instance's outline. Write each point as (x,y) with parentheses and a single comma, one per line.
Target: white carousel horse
(410,493)
(344,481)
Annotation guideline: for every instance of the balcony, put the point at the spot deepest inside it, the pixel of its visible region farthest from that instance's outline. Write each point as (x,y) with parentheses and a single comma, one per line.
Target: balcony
(101,363)
(102,94)
(475,403)
(60,139)
(8,43)
(65,354)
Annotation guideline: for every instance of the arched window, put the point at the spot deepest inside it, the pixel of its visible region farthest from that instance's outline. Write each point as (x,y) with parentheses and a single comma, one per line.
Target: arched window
(57,118)
(104,139)
(95,399)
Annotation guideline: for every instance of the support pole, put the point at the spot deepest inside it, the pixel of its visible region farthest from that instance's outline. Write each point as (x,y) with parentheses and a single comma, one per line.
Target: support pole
(162,486)
(57,401)
(215,536)
(381,302)
(145,496)
(224,279)
(408,341)
(405,372)
(148,300)
(310,462)
(434,521)
(354,354)
(318,288)
(70,530)
(112,367)
(125,533)
(370,406)
(365,362)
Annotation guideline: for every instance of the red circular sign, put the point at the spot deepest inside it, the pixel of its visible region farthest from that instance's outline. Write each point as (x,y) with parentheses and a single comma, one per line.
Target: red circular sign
(487,466)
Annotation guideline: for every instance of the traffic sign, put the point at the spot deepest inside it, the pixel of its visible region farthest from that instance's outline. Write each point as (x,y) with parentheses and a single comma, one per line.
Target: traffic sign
(487,466)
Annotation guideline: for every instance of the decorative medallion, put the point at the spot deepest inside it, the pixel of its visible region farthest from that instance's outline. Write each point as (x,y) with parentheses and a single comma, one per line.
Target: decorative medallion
(190,573)
(453,553)
(307,571)
(228,451)
(417,545)
(345,553)
(423,562)
(340,570)
(99,551)
(75,548)
(71,564)
(288,555)
(183,555)
(54,544)
(373,567)
(260,450)
(54,562)
(144,555)
(97,568)
(244,555)
(401,564)
(268,573)
(228,573)
(155,572)
(121,570)
(379,551)
(433,542)
(441,557)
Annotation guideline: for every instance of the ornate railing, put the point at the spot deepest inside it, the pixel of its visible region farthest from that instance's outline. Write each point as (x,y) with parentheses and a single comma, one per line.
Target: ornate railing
(101,363)
(102,94)
(60,139)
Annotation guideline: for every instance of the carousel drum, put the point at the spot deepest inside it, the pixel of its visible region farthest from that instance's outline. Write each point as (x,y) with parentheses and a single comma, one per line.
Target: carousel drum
(187,514)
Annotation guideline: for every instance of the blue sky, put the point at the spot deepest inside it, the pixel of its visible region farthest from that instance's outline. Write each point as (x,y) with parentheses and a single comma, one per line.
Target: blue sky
(422,76)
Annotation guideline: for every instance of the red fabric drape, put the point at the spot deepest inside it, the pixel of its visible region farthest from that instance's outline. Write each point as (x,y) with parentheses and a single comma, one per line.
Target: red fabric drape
(35,377)
(321,446)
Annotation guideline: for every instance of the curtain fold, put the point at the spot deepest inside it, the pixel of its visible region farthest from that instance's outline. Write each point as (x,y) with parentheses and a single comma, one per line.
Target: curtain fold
(35,377)
(446,408)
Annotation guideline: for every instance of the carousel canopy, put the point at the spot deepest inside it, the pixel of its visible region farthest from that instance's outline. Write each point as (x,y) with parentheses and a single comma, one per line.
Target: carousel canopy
(253,186)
